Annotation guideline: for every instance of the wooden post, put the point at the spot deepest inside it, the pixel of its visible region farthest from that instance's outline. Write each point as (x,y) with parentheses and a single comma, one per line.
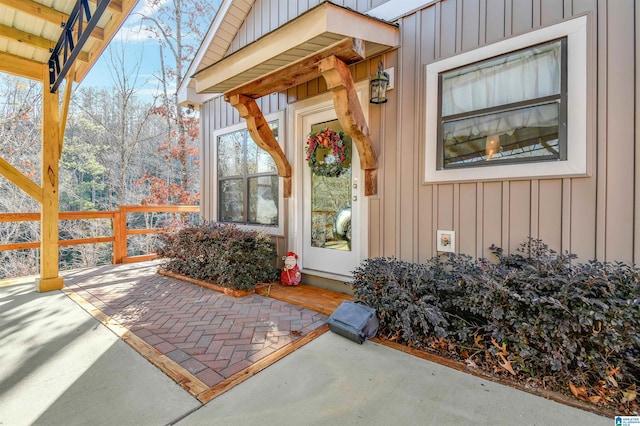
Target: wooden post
(49,278)
(120,236)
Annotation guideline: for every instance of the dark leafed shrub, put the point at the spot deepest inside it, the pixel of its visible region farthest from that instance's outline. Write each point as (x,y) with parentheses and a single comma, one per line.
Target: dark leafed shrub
(539,311)
(220,253)
(404,295)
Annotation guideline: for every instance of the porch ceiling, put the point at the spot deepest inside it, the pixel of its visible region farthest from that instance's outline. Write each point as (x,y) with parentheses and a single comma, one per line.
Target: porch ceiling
(319,33)
(30,28)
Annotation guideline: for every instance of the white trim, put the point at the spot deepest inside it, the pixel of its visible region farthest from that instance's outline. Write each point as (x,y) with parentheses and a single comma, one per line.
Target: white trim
(186,95)
(394,9)
(276,231)
(295,152)
(577,149)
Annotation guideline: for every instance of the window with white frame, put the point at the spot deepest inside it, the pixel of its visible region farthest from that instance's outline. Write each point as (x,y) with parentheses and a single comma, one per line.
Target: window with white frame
(513,109)
(248,192)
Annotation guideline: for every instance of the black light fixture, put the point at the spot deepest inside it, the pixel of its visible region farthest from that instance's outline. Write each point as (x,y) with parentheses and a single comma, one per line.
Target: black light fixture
(378,86)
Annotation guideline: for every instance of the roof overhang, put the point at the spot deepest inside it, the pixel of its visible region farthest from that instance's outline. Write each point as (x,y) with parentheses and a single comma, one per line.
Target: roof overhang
(324,31)
(29,29)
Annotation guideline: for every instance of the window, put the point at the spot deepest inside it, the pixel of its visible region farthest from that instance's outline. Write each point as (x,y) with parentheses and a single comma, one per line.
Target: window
(510,110)
(248,192)
(505,109)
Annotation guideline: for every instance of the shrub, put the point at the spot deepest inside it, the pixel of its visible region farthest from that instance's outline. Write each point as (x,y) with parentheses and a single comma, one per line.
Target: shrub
(220,253)
(538,311)
(404,295)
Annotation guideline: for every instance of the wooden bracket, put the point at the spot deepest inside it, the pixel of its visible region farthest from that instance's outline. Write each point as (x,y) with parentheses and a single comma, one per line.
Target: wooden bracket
(263,136)
(65,112)
(347,105)
(16,177)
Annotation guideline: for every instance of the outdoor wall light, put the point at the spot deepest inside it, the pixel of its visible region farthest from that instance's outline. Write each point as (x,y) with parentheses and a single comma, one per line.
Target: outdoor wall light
(378,86)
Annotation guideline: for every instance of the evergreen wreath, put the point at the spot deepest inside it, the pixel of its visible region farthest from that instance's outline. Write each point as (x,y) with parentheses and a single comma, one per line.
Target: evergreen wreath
(332,164)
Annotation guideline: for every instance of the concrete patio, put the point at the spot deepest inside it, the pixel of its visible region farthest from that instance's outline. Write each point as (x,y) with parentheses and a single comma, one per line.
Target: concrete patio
(60,365)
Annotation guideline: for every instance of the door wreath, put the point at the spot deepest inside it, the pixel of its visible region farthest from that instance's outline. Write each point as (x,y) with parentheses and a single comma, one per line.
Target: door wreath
(327,153)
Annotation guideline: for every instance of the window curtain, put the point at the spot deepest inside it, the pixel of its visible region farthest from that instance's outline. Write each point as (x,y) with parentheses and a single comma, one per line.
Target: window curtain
(520,76)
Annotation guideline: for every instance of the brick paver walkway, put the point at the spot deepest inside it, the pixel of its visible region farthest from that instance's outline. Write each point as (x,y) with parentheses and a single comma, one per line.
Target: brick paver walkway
(211,335)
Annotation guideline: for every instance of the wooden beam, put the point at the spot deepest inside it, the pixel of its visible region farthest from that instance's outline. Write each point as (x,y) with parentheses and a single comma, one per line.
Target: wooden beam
(33,40)
(349,50)
(263,136)
(65,111)
(49,278)
(16,177)
(347,105)
(19,66)
(19,217)
(40,11)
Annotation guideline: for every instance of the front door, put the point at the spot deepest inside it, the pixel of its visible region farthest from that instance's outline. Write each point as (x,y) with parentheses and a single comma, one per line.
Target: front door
(331,212)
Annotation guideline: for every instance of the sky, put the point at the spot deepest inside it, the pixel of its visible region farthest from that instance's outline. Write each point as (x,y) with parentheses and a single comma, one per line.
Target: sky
(139,47)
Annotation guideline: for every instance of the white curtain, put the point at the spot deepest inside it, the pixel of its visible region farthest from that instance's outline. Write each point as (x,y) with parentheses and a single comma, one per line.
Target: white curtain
(524,75)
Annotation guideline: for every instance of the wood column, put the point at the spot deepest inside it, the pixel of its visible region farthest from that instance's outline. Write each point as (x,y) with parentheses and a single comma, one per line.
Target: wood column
(49,278)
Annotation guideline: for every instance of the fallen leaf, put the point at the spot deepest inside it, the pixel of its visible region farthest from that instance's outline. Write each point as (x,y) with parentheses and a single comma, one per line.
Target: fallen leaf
(629,396)
(503,347)
(464,354)
(477,341)
(296,333)
(580,393)
(506,364)
(613,381)
(594,399)
(470,363)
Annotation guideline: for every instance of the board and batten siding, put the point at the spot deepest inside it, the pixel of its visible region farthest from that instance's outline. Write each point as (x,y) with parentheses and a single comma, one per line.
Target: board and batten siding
(593,217)
(267,15)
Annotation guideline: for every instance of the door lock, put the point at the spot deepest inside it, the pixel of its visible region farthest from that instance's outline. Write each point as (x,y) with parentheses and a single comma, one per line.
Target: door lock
(355,198)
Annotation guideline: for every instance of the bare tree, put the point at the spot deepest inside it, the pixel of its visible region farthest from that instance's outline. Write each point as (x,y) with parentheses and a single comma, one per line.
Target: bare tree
(20,143)
(178,26)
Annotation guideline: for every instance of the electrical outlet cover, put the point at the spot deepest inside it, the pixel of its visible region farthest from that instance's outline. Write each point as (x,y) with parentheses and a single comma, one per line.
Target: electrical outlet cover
(446,241)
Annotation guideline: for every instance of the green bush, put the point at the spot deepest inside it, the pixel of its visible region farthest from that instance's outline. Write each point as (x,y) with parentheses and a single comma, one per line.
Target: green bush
(546,314)
(220,253)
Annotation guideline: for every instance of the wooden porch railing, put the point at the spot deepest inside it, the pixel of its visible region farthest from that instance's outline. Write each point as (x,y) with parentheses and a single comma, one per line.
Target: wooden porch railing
(119,225)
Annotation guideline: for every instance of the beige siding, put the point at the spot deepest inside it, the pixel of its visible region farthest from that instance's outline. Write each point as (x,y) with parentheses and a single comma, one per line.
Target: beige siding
(590,216)
(267,15)
(482,213)
(593,216)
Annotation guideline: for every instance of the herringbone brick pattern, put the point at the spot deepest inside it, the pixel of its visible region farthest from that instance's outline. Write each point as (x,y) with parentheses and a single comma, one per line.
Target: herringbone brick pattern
(211,335)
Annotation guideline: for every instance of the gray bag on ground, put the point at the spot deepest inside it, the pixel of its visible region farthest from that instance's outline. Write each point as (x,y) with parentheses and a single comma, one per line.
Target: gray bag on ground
(354,321)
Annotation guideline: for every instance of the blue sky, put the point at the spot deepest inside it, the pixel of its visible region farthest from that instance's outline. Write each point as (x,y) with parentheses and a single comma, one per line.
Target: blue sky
(139,47)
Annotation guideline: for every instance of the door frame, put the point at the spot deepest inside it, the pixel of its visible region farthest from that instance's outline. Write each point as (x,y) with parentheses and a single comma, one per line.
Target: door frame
(295,152)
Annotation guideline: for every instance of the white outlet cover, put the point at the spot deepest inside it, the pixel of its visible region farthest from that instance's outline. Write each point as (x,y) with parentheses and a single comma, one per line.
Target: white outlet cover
(440,236)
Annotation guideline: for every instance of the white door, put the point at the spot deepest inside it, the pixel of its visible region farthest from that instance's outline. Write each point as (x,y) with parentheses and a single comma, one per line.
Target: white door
(331,207)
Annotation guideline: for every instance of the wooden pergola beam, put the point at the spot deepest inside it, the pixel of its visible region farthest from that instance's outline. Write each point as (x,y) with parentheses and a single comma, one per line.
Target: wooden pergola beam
(263,136)
(22,67)
(349,50)
(49,14)
(34,41)
(347,105)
